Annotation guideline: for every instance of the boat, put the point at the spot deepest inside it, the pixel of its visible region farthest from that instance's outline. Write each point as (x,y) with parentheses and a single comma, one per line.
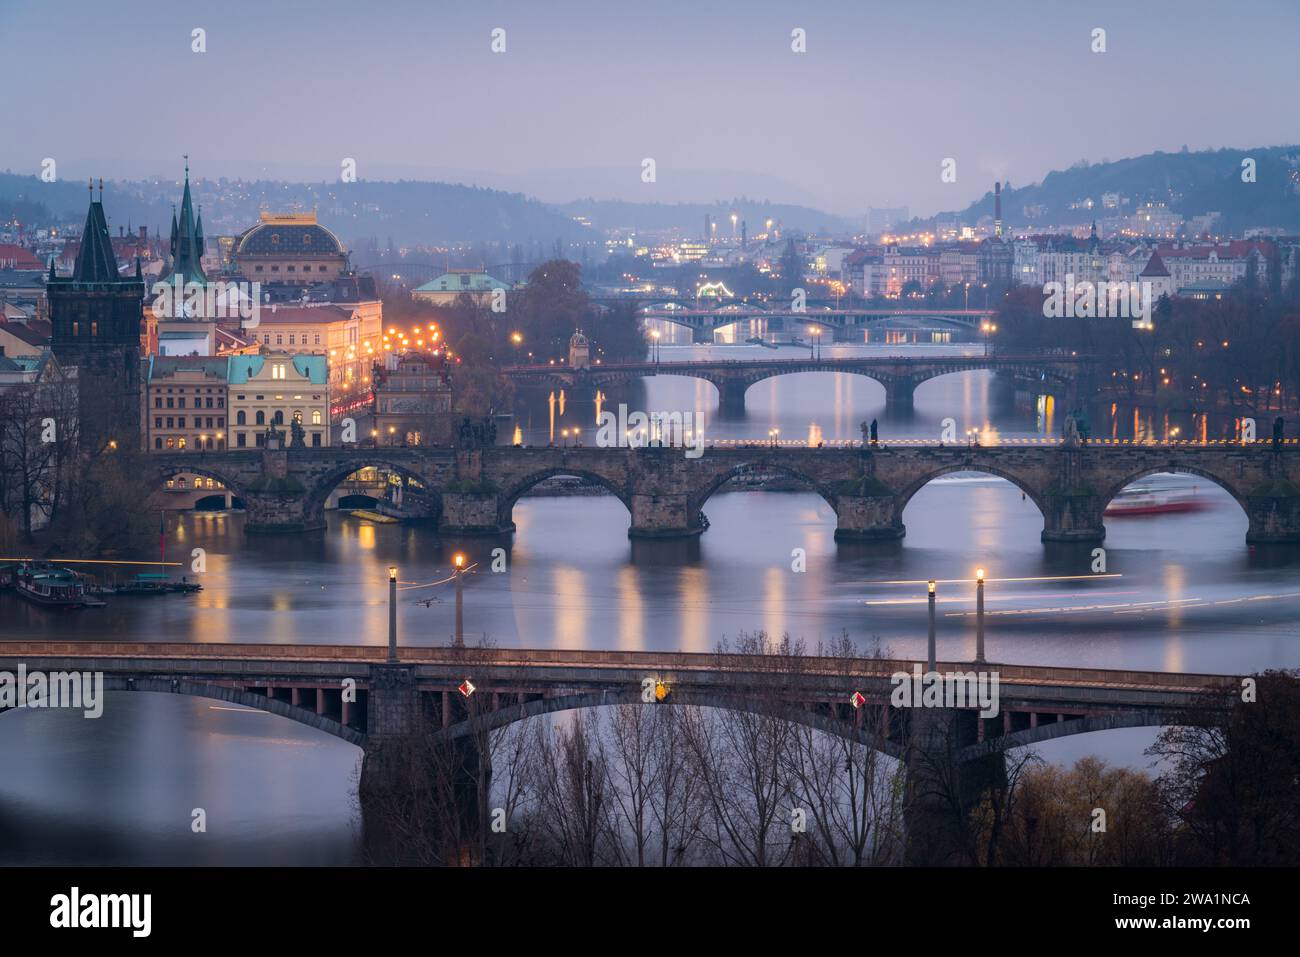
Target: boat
(1154,501)
(53,587)
(154,583)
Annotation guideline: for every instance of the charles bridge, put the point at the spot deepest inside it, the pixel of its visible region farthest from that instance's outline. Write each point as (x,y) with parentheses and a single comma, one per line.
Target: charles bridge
(474,491)
(899,375)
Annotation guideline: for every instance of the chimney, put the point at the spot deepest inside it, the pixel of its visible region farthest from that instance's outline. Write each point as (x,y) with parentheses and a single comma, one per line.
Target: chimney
(997,209)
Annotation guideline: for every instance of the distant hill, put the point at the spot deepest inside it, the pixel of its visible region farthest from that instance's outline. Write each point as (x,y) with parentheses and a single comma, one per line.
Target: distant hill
(404,211)
(688,218)
(1189,183)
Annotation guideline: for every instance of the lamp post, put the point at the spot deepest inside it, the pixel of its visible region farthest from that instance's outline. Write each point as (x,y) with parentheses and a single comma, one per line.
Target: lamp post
(930,648)
(979,616)
(459,561)
(392,614)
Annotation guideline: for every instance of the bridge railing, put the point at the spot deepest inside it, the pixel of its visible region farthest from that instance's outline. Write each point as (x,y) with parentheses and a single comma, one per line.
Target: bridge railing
(649,661)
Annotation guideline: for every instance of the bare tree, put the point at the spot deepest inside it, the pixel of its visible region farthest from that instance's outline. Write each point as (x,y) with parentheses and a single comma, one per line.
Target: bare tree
(575,806)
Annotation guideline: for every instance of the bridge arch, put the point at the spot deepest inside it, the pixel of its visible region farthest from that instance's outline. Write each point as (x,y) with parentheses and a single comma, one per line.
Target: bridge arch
(704,492)
(326,483)
(248,699)
(1178,468)
(1032,492)
(160,472)
(1087,724)
(508,497)
(796,714)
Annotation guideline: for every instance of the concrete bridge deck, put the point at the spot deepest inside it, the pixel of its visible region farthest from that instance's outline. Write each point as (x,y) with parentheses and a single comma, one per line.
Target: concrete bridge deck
(306,682)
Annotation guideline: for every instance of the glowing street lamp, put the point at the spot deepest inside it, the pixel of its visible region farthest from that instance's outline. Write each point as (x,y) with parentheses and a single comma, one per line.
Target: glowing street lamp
(459,561)
(392,614)
(930,648)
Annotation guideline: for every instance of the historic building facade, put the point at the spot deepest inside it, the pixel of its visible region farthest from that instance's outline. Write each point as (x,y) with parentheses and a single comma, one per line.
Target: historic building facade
(185,404)
(274,389)
(412,400)
(289,248)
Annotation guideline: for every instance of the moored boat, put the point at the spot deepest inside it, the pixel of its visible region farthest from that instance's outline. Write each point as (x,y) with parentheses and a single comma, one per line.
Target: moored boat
(53,587)
(153,583)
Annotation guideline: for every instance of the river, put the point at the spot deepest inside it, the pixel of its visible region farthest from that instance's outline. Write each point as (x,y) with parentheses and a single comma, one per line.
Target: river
(1189,596)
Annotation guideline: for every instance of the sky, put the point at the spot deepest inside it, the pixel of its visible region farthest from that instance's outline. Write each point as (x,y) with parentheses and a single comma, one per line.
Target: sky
(586,91)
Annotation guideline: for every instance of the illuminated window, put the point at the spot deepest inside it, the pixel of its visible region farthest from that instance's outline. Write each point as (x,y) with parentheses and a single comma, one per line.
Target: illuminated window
(315,417)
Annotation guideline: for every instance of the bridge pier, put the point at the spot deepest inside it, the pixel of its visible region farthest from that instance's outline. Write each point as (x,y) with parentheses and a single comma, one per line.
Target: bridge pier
(899,392)
(1073,518)
(868,518)
(664,516)
(421,796)
(942,790)
(702,335)
(1274,519)
(731,396)
(467,514)
(270,512)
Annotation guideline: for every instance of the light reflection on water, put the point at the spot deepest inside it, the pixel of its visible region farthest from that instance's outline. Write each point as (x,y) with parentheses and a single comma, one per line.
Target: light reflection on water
(1192,597)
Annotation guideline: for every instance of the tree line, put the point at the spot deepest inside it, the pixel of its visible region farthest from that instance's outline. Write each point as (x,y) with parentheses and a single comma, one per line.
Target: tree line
(1239,353)
(663,785)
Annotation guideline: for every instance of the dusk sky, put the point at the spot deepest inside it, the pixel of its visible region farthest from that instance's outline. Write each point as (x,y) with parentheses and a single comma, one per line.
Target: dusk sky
(586,90)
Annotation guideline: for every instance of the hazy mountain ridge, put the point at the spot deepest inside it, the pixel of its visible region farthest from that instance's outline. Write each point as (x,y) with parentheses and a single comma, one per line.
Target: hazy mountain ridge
(1189,183)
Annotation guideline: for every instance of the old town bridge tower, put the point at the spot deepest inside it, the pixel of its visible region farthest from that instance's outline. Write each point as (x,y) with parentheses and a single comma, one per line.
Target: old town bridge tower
(96,314)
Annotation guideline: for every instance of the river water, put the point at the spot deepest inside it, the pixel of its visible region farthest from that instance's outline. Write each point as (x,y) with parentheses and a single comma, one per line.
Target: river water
(1189,596)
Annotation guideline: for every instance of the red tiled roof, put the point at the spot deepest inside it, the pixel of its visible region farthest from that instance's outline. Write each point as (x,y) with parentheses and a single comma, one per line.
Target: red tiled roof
(1155,266)
(1235,249)
(303,314)
(18,257)
(34,332)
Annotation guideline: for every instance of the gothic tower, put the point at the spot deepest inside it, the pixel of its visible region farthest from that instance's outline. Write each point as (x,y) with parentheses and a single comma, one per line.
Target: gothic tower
(95,314)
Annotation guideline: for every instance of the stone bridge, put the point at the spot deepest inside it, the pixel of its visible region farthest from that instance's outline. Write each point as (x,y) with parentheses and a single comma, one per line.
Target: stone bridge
(473,492)
(732,378)
(354,693)
(825,314)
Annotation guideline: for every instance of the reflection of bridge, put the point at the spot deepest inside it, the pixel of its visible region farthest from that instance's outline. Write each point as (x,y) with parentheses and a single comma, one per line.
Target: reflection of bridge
(834,317)
(475,491)
(352,693)
(899,375)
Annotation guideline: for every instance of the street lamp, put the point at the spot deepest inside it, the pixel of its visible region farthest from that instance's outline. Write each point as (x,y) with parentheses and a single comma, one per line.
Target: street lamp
(979,616)
(459,561)
(816,342)
(654,346)
(392,614)
(930,648)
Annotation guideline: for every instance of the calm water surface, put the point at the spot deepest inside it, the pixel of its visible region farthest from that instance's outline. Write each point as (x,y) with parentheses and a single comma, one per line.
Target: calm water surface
(1191,597)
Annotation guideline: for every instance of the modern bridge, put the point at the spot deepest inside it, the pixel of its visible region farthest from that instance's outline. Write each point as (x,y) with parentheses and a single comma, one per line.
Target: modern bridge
(899,375)
(306,683)
(952,754)
(474,491)
(833,316)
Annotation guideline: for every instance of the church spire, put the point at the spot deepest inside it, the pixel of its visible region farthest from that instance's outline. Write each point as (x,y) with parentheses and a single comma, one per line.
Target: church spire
(187,239)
